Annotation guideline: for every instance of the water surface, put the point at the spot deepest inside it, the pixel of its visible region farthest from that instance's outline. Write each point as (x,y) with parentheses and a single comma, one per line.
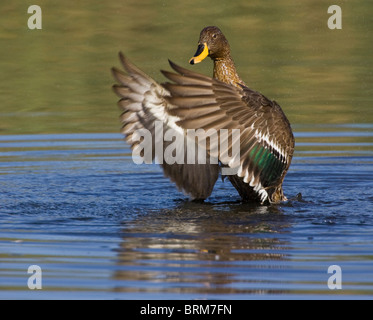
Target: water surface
(102,227)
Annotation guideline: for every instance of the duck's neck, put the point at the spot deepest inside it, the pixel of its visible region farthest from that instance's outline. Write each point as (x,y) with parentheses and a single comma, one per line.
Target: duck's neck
(225,70)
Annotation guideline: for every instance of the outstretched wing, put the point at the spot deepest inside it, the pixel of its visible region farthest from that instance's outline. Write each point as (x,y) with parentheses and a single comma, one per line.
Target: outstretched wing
(265,139)
(144,107)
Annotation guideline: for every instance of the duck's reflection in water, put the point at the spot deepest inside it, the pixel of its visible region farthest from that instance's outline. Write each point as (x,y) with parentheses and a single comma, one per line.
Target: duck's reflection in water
(203,248)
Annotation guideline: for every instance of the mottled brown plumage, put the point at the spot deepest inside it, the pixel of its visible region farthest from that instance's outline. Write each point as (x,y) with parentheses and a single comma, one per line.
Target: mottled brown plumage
(266,140)
(263,125)
(195,101)
(219,51)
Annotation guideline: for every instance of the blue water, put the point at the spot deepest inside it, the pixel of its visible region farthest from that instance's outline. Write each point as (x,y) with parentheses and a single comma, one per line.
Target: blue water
(100,226)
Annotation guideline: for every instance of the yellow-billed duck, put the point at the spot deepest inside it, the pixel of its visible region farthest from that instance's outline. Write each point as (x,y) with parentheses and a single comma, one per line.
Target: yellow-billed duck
(195,101)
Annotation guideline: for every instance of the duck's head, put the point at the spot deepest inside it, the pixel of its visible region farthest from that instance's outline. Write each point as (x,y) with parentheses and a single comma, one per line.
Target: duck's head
(212,43)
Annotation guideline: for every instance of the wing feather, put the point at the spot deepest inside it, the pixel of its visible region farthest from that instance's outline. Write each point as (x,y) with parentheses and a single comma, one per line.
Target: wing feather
(144,102)
(266,139)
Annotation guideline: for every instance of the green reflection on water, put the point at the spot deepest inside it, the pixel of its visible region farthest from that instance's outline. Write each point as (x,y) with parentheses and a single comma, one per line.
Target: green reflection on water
(58,79)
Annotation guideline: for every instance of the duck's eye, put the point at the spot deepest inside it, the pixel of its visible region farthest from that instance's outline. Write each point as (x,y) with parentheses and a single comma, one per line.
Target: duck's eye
(214,36)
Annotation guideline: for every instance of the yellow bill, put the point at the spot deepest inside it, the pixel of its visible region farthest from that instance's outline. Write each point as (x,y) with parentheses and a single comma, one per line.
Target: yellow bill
(201,53)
